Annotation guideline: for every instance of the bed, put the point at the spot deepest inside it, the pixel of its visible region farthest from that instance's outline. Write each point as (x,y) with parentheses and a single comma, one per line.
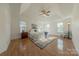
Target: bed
(38,38)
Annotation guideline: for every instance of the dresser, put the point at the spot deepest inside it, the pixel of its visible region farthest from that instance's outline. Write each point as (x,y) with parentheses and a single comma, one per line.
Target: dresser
(24,35)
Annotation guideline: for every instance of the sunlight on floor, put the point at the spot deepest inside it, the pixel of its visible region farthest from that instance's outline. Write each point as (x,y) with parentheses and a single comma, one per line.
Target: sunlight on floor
(60,44)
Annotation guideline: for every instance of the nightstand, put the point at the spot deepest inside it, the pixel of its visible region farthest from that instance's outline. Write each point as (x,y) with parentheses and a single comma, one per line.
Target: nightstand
(24,35)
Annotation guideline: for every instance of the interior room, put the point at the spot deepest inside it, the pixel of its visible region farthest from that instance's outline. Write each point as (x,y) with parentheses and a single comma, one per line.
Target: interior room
(39,29)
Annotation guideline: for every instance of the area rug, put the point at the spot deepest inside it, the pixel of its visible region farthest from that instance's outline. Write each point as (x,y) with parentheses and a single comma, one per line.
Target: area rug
(44,42)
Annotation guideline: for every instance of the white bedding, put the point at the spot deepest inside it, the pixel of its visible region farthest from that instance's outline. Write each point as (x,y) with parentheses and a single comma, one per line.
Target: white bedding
(39,38)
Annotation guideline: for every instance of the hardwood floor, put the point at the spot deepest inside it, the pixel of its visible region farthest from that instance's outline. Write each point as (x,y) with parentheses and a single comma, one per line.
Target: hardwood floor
(26,47)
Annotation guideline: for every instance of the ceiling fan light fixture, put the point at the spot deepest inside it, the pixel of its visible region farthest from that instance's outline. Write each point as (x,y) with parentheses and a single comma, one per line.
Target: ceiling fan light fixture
(45,12)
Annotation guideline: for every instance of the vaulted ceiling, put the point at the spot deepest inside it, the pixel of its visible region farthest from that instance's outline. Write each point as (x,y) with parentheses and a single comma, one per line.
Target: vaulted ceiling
(58,11)
(32,10)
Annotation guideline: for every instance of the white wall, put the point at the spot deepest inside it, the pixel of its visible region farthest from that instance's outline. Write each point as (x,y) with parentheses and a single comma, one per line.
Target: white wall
(75,32)
(15,14)
(75,27)
(4,27)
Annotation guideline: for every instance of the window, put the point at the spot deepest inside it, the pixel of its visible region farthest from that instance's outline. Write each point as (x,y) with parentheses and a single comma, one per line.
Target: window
(22,26)
(60,27)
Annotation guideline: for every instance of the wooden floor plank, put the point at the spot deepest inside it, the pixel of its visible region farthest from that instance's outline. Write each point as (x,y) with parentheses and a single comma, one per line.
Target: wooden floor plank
(26,47)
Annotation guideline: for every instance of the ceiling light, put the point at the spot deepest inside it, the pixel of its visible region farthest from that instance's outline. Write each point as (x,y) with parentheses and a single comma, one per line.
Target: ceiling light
(45,12)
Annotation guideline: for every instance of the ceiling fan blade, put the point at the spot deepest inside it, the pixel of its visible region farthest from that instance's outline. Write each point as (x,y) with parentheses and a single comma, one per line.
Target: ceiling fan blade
(48,11)
(47,14)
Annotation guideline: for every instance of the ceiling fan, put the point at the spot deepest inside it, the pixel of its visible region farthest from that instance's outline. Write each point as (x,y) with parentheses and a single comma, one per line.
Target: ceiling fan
(45,12)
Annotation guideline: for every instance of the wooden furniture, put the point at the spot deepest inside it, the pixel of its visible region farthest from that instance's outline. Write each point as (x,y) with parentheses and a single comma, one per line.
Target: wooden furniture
(24,35)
